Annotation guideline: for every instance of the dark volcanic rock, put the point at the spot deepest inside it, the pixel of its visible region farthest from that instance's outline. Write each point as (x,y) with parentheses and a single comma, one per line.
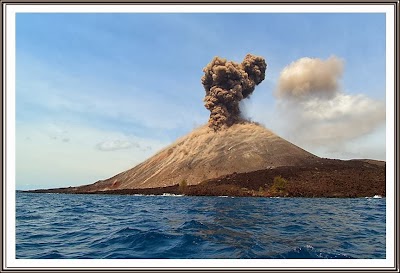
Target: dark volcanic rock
(323,178)
(320,178)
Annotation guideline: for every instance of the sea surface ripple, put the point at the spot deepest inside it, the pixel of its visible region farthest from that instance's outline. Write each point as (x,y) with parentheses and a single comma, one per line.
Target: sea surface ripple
(61,226)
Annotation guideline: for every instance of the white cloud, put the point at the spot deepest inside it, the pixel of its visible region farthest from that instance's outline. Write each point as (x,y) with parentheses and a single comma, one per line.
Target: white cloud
(342,127)
(342,118)
(115,144)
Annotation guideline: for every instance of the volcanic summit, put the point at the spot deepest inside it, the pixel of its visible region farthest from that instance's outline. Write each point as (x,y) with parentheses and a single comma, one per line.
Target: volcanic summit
(227,144)
(229,148)
(204,154)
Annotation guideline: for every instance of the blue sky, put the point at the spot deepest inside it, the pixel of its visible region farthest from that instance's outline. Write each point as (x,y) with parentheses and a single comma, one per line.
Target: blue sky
(97,94)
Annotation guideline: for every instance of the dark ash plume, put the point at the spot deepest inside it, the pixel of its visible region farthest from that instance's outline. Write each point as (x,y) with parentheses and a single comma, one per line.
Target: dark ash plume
(226,83)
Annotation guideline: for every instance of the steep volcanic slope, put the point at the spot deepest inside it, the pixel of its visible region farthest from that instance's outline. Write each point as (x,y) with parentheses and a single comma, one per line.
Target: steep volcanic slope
(205,154)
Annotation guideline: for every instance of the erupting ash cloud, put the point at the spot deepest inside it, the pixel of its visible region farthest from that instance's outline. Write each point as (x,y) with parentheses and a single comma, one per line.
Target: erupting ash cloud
(226,83)
(319,116)
(310,77)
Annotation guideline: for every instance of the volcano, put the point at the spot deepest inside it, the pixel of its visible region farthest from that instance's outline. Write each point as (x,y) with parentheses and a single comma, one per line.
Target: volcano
(230,155)
(238,161)
(205,154)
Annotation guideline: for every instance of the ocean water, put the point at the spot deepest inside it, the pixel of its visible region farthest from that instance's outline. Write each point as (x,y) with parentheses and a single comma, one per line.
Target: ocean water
(62,226)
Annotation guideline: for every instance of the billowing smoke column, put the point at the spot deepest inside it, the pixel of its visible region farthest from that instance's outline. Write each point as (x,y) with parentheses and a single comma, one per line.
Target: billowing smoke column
(226,84)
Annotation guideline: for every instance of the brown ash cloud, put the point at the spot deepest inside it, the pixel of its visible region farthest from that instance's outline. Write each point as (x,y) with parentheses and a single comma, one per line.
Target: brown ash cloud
(226,83)
(310,77)
(319,116)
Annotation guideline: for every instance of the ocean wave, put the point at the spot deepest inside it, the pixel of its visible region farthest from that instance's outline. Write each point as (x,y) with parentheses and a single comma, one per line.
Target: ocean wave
(172,194)
(309,252)
(121,227)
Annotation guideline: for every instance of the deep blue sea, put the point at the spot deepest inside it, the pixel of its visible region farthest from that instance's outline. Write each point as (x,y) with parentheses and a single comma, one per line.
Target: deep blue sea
(62,226)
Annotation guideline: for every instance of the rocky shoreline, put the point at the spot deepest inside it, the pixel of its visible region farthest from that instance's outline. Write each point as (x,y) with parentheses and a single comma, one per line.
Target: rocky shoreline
(322,178)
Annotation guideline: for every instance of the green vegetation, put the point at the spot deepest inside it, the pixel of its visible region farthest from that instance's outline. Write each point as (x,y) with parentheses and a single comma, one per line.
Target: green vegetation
(183,185)
(279,186)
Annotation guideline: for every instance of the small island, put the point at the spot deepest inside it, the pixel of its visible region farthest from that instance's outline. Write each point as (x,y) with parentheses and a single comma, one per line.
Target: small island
(323,178)
(232,156)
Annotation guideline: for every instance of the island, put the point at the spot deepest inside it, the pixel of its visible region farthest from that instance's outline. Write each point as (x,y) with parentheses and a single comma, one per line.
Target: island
(232,156)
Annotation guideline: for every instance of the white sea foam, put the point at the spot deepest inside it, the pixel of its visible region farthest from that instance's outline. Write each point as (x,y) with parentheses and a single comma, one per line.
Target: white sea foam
(171,194)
